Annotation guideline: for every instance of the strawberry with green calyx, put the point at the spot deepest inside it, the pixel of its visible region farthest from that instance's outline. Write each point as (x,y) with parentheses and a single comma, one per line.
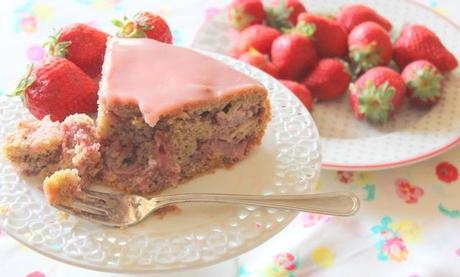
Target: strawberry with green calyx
(144,25)
(59,88)
(244,13)
(377,95)
(259,37)
(329,79)
(302,92)
(81,44)
(369,46)
(424,83)
(330,38)
(284,13)
(261,61)
(294,52)
(417,42)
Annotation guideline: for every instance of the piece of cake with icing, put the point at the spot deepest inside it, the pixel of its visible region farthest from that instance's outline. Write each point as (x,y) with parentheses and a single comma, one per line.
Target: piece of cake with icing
(167,114)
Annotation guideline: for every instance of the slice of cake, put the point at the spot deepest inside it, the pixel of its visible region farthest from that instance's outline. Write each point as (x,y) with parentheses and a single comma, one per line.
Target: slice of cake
(167,114)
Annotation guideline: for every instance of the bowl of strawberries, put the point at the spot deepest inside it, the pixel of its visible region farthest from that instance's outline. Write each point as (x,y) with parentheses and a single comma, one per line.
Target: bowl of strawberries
(380,78)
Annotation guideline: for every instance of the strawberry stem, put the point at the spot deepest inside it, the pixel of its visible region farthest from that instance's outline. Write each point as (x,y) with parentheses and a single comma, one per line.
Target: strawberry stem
(307,30)
(427,84)
(278,17)
(129,28)
(23,84)
(56,48)
(376,102)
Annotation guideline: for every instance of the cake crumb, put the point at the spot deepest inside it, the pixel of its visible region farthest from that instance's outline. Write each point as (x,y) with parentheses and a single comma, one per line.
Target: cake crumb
(4,209)
(170,209)
(62,216)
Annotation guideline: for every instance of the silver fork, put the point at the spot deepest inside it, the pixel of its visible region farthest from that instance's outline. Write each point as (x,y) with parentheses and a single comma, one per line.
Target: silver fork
(122,210)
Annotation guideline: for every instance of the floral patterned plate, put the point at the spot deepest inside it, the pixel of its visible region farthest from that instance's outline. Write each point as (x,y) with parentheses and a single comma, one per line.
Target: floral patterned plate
(348,144)
(287,162)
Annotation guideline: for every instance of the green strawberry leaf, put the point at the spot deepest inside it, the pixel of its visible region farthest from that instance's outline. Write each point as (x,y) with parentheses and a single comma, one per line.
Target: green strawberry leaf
(278,17)
(376,102)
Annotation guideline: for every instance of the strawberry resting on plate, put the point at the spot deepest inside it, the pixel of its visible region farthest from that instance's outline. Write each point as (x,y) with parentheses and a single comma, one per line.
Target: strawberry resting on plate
(261,61)
(352,15)
(329,79)
(59,88)
(424,83)
(259,37)
(81,44)
(144,25)
(330,38)
(377,95)
(369,45)
(294,53)
(302,92)
(244,13)
(417,42)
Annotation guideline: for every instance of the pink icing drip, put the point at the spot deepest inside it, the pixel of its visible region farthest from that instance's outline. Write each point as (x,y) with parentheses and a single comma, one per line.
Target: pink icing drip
(162,78)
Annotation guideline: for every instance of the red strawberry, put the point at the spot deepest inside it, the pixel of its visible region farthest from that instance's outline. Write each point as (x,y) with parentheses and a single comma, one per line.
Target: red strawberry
(244,13)
(259,37)
(417,42)
(329,79)
(57,87)
(377,95)
(301,92)
(424,83)
(259,60)
(330,38)
(369,45)
(352,15)
(284,13)
(294,53)
(144,25)
(81,44)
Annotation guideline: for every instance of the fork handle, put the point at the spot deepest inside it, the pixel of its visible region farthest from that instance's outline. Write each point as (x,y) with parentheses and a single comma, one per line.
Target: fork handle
(330,203)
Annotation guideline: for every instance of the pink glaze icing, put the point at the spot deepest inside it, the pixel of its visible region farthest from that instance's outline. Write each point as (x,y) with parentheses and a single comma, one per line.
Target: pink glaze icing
(161,78)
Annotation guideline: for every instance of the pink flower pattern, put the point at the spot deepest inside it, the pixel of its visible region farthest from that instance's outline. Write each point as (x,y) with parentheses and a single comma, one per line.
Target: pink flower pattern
(395,249)
(286,261)
(408,192)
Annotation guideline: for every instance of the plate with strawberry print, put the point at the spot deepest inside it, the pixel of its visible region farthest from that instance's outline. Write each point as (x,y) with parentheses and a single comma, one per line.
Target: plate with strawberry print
(354,134)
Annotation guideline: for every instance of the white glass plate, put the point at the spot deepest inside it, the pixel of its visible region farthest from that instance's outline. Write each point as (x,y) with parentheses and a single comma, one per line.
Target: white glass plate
(348,144)
(287,162)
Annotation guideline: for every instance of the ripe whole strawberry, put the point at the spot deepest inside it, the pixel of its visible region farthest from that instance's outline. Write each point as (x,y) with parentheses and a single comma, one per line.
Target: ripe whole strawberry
(81,44)
(330,38)
(284,13)
(259,37)
(329,79)
(144,25)
(369,46)
(352,15)
(244,13)
(294,53)
(57,87)
(377,95)
(261,61)
(301,92)
(424,83)
(417,42)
